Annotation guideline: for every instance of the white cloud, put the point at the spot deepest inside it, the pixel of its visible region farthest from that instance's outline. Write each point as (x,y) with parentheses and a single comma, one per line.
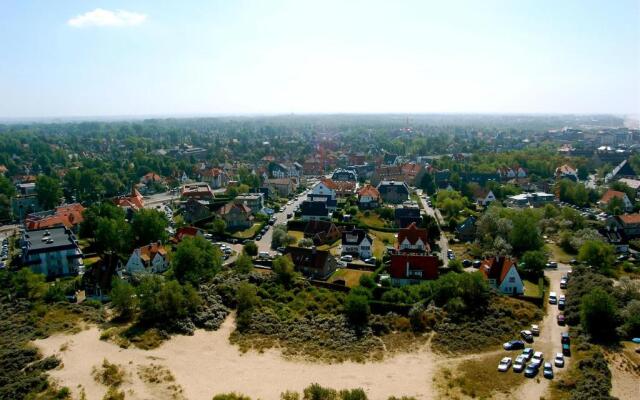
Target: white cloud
(102,17)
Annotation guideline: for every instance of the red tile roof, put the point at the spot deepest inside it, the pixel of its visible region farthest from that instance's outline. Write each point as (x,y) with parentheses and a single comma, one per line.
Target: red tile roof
(148,252)
(630,218)
(368,190)
(68,215)
(134,201)
(412,233)
(497,268)
(610,194)
(400,263)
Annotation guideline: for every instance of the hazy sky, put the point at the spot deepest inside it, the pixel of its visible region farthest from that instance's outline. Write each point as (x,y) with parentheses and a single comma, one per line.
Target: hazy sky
(100,58)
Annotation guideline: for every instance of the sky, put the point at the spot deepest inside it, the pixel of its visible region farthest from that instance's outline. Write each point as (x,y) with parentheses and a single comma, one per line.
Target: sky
(68,58)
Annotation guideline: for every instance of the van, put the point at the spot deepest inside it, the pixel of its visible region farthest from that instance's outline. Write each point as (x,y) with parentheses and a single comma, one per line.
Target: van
(553,298)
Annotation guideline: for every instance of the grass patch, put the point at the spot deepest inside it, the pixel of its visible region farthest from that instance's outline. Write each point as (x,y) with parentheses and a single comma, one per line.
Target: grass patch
(531,289)
(373,220)
(477,378)
(558,254)
(247,233)
(350,276)
(109,374)
(333,248)
(380,242)
(90,261)
(297,235)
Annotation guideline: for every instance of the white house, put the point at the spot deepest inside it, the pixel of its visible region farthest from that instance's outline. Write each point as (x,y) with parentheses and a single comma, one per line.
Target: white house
(502,275)
(151,258)
(413,239)
(357,242)
(326,187)
(484,198)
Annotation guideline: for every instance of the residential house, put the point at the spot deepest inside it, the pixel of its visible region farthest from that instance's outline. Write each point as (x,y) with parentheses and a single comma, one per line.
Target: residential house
(151,258)
(322,232)
(53,252)
(407,214)
(152,178)
(632,183)
(195,210)
(314,211)
(279,170)
(627,225)
(216,177)
(466,231)
(344,188)
(69,216)
(413,240)
(284,187)
(627,205)
(484,197)
(393,191)
(312,263)
(502,275)
(410,171)
(236,216)
(479,177)
(186,231)
(255,201)
(313,166)
(368,197)
(407,269)
(536,199)
(566,171)
(387,173)
(132,203)
(344,175)
(332,205)
(357,242)
(622,170)
(507,173)
(325,187)
(198,191)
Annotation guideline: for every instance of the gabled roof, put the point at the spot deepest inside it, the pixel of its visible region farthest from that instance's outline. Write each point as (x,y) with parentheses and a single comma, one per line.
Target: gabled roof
(354,237)
(622,169)
(231,206)
(314,227)
(151,177)
(310,258)
(186,231)
(135,201)
(400,263)
(370,191)
(387,185)
(314,208)
(148,252)
(67,215)
(329,183)
(412,233)
(565,169)
(497,268)
(630,218)
(610,194)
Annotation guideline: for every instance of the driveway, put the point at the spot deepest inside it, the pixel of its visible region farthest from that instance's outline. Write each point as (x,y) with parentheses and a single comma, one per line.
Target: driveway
(435,213)
(549,340)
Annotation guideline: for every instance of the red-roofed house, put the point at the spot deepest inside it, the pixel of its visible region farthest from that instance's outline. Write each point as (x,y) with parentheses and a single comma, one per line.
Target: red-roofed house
(413,239)
(568,172)
(69,216)
(628,224)
(502,275)
(368,197)
(326,187)
(406,269)
(215,177)
(236,216)
(134,202)
(611,194)
(151,258)
(150,178)
(186,231)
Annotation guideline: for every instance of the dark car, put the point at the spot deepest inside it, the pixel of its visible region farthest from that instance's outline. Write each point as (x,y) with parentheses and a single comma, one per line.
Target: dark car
(477,263)
(514,345)
(561,304)
(561,319)
(565,338)
(552,265)
(527,335)
(532,369)
(566,349)
(466,263)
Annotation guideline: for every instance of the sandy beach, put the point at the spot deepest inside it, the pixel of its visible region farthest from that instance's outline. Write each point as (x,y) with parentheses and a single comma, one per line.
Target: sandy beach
(206,364)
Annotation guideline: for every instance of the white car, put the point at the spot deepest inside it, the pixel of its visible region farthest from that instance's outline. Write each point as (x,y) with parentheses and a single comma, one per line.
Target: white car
(535,329)
(561,298)
(504,365)
(537,357)
(347,258)
(559,360)
(519,363)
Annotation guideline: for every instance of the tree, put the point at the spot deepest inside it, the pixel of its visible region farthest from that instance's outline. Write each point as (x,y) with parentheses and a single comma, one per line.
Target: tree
(305,242)
(247,299)
(244,265)
(534,262)
(367,281)
(599,255)
(28,284)
(615,206)
(598,314)
(219,226)
(525,234)
(356,307)
(166,302)
(456,265)
(284,270)
(123,298)
(280,237)
(250,248)
(7,191)
(48,191)
(195,260)
(112,237)
(427,183)
(149,226)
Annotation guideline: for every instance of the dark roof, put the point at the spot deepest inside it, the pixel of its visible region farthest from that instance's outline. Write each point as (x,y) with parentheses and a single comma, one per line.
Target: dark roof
(468,223)
(49,239)
(314,227)
(622,169)
(403,212)
(355,237)
(309,258)
(314,208)
(392,186)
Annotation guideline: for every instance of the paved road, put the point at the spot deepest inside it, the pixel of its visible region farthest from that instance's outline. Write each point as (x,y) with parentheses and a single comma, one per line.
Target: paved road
(264,244)
(549,340)
(435,213)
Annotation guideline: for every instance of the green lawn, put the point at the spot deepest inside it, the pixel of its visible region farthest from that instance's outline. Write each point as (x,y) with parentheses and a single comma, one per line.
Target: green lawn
(350,276)
(297,234)
(531,289)
(380,242)
(333,248)
(247,233)
(558,254)
(373,220)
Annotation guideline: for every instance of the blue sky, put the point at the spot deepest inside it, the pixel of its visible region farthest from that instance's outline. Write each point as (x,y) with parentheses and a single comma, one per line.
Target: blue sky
(64,58)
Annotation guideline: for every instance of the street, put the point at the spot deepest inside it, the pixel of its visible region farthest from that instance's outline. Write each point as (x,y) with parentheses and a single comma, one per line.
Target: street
(443,243)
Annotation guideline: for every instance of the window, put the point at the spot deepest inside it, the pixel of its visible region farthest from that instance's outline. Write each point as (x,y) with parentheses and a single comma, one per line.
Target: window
(512,279)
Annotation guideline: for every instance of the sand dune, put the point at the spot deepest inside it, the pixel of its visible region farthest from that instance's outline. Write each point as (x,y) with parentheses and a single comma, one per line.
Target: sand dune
(206,364)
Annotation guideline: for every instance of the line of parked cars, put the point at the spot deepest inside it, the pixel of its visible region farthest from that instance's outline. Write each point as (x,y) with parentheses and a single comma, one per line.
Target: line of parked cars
(530,362)
(4,253)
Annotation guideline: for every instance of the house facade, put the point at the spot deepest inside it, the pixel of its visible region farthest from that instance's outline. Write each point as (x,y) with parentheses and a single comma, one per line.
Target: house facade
(325,187)
(151,258)
(312,263)
(314,211)
(255,201)
(357,242)
(407,214)
(322,232)
(484,198)
(413,240)
(344,175)
(406,269)
(566,171)
(502,275)
(284,187)
(236,216)
(215,177)
(393,192)
(53,252)
(368,197)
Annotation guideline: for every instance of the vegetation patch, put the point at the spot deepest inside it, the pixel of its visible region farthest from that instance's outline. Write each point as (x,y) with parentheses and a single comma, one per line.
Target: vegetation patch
(350,276)
(476,378)
(247,233)
(160,381)
(109,374)
(314,392)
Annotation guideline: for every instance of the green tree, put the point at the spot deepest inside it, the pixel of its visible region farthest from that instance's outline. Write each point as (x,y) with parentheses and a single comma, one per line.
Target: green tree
(149,226)
(284,270)
(219,226)
(123,298)
(280,237)
(28,284)
(534,262)
(356,307)
(598,314)
(615,206)
(48,191)
(250,248)
(165,301)
(112,237)
(525,234)
(597,254)
(244,264)
(195,260)
(7,191)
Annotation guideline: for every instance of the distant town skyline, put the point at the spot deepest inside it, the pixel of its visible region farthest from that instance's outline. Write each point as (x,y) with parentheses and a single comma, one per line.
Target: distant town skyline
(200,58)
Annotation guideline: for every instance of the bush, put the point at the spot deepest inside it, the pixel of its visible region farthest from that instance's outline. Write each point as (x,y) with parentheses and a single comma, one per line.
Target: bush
(598,314)
(357,309)
(250,248)
(231,396)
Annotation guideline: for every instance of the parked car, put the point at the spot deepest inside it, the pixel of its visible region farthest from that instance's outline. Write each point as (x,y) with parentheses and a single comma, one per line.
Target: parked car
(466,263)
(559,360)
(566,349)
(538,356)
(552,265)
(371,260)
(535,329)
(504,364)
(289,215)
(527,353)
(263,255)
(547,370)
(565,338)
(347,258)
(281,249)
(561,304)
(258,237)
(477,263)
(563,283)
(553,298)
(514,345)
(531,370)
(561,320)
(519,363)
(527,335)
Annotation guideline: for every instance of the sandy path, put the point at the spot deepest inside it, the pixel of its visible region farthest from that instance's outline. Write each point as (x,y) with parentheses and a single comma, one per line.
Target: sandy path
(206,364)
